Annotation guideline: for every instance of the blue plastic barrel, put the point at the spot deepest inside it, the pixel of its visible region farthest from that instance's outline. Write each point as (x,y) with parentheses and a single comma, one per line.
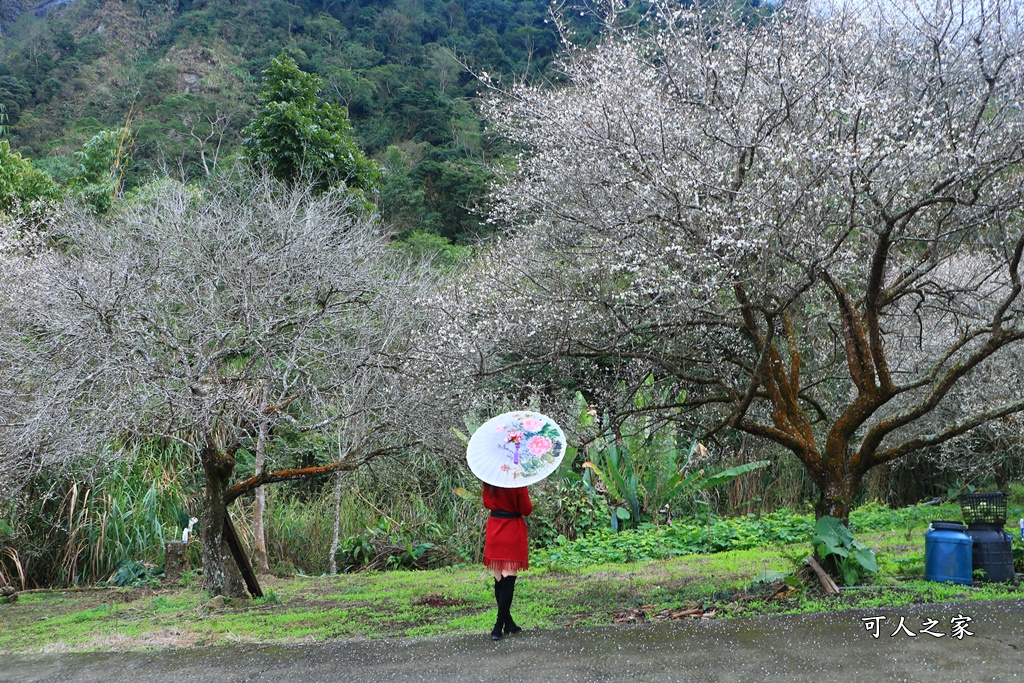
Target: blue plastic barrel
(947,553)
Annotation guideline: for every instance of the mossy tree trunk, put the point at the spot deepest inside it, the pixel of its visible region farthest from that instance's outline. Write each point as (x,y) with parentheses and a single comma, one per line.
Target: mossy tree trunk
(220,575)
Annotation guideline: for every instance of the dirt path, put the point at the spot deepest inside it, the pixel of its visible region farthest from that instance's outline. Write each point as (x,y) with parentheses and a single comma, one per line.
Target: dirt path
(819,647)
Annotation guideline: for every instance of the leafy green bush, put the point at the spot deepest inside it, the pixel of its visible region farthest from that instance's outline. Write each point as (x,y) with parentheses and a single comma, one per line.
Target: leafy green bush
(853,559)
(73,531)
(355,552)
(135,573)
(570,509)
(102,162)
(388,546)
(22,185)
(647,469)
(874,516)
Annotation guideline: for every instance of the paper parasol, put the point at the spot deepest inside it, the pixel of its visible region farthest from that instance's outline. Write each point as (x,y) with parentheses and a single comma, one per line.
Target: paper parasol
(516,449)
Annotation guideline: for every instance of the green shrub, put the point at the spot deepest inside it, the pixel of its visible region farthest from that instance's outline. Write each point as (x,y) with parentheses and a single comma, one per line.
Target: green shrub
(833,542)
(650,542)
(134,573)
(23,186)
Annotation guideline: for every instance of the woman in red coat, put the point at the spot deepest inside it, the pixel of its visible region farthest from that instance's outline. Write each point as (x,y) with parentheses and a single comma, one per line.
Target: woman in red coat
(505,548)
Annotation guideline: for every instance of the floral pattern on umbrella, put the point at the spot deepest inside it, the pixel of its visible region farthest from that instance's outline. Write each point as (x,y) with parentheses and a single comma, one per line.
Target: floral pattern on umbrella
(522,446)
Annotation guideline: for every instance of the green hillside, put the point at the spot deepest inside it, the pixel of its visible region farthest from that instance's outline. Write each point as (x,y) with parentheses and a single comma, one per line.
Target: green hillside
(184,76)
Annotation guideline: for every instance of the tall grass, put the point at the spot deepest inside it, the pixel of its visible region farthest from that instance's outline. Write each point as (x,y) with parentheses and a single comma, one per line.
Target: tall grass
(72,532)
(407,500)
(298,528)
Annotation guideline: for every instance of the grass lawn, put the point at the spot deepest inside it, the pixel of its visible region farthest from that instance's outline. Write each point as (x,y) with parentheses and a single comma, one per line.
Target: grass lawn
(454,600)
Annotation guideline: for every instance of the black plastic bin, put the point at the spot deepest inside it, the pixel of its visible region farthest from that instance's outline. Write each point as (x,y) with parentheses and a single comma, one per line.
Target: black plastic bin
(992,552)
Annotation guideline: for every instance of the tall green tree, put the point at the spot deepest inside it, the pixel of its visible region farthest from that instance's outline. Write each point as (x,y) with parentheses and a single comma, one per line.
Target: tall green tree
(294,134)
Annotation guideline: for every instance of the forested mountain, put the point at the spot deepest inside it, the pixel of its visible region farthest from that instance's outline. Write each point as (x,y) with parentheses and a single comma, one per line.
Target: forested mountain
(184,74)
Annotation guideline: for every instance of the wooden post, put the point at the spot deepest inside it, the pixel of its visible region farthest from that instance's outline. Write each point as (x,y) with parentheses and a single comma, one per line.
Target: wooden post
(240,559)
(826,581)
(174,559)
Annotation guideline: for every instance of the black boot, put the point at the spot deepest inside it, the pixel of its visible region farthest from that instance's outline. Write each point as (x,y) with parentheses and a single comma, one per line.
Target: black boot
(508,589)
(496,632)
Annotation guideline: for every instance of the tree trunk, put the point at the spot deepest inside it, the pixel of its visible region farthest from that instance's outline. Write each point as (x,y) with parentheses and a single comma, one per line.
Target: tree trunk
(999,469)
(838,488)
(333,560)
(259,504)
(220,574)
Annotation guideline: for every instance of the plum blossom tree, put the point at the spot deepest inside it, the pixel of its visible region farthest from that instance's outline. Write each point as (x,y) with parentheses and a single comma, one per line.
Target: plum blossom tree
(209,318)
(813,224)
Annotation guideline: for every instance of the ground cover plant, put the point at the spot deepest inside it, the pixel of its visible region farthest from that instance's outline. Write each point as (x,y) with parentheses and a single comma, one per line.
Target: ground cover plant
(778,528)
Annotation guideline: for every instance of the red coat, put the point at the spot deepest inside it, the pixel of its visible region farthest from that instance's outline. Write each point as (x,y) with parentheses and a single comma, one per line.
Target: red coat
(505,547)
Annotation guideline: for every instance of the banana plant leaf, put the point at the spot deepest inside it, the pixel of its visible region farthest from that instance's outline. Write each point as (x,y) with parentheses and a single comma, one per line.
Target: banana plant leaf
(728,475)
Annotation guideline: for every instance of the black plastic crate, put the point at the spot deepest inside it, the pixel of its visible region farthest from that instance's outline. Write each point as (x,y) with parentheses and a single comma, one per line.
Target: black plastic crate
(984,508)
